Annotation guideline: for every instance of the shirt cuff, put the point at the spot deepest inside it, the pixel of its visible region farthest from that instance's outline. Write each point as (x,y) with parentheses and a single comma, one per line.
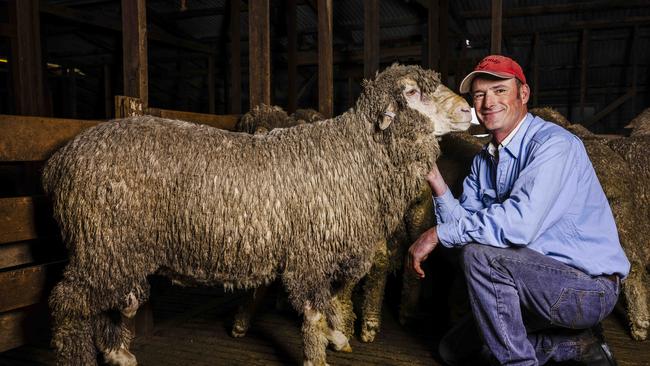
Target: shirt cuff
(448,235)
(445,205)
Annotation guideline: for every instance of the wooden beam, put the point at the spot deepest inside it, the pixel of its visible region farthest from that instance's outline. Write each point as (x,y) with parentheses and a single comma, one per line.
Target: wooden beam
(108,91)
(134,42)
(325,59)
(17,219)
(235,57)
(610,108)
(497,21)
(20,326)
(584,50)
(225,122)
(387,54)
(443,40)
(292,56)
(371,38)
(579,7)
(634,59)
(7,30)
(433,38)
(128,107)
(26,252)
(26,62)
(212,95)
(36,138)
(259,53)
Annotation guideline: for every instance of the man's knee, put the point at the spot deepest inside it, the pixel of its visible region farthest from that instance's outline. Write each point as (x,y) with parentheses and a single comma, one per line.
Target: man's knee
(473,254)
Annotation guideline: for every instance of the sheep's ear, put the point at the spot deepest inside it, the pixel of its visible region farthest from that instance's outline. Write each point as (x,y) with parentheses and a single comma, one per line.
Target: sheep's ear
(387,117)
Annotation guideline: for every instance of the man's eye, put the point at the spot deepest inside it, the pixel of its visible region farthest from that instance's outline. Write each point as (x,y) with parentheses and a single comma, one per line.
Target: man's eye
(478,96)
(500,91)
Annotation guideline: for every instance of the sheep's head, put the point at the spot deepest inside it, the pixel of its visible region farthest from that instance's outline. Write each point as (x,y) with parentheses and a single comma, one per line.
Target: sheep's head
(263,118)
(407,89)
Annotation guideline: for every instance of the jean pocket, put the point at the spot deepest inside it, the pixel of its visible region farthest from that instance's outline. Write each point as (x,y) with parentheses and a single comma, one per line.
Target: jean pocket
(578,309)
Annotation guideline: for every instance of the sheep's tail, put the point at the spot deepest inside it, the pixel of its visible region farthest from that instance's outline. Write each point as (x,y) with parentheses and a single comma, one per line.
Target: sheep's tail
(72,329)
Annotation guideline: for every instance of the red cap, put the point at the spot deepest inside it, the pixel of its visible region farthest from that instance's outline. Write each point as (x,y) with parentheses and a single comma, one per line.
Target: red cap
(496,65)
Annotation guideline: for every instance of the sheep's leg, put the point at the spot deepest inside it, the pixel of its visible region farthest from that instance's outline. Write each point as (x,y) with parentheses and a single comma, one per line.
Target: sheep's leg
(72,331)
(314,341)
(636,295)
(410,296)
(373,295)
(112,335)
(246,311)
(344,308)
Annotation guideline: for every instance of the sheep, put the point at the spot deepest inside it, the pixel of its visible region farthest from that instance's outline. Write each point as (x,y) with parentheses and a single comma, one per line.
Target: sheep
(309,204)
(640,125)
(621,165)
(418,219)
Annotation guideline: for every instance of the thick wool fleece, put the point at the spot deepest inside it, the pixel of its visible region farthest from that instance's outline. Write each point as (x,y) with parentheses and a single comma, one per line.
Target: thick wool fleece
(146,195)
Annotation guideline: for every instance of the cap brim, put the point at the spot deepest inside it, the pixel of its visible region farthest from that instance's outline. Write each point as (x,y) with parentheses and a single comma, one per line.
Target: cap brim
(466,84)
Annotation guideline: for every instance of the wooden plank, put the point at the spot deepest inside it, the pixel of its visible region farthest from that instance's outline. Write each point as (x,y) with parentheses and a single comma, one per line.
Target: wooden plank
(536,41)
(212,95)
(387,54)
(26,62)
(7,30)
(27,286)
(134,47)
(610,108)
(31,252)
(371,38)
(25,138)
(226,122)
(128,106)
(433,40)
(497,21)
(108,91)
(259,46)
(443,39)
(235,57)
(20,326)
(325,59)
(18,219)
(292,56)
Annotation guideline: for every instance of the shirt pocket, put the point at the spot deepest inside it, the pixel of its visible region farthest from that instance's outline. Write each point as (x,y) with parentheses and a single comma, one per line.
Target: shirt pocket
(488,197)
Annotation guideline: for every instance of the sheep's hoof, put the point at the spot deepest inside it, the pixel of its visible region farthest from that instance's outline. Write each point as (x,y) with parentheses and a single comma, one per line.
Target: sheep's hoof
(238,330)
(369,331)
(339,341)
(120,357)
(639,334)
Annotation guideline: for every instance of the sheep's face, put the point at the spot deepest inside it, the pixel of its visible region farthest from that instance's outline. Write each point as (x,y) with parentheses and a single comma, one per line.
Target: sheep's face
(448,111)
(401,90)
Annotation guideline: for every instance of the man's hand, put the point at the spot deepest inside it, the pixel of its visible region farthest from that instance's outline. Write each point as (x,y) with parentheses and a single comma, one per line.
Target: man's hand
(419,251)
(436,182)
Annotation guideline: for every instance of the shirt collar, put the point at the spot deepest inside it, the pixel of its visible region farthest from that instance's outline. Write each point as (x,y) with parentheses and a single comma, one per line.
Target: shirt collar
(512,139)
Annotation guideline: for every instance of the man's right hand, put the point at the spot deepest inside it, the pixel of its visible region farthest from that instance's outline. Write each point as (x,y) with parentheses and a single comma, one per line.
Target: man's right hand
(436,182)
(419,251)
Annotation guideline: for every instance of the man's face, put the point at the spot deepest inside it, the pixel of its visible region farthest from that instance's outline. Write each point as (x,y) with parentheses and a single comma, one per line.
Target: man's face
(499,104)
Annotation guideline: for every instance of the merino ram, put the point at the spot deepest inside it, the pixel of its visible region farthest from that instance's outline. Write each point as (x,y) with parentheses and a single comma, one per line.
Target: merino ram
(308,204)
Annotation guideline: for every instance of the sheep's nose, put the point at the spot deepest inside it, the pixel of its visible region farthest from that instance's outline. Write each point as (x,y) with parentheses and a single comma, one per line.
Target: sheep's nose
(465,110)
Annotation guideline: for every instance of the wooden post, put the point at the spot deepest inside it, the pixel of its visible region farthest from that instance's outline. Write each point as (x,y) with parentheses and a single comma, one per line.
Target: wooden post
(26,62)
(497,20)
(235,57)
(128,106)
(211,92)
(443,40)
(108,92)
(583,71)
(634,57)
(536,41)
(325,58)
(371,38)
(259,53)
(134,45)
(433,40)
(292,56)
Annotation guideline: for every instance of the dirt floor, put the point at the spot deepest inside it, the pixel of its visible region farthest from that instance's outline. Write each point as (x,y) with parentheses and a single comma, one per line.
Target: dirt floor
(192,328)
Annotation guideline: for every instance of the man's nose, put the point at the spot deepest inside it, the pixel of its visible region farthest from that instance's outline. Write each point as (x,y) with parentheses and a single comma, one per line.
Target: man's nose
(488,100)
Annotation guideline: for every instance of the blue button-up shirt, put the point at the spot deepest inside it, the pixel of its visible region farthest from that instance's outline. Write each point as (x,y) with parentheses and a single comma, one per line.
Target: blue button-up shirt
(542,193)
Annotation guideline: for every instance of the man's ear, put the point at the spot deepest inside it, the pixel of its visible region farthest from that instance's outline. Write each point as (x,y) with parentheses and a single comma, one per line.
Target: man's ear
(387,117)
(525,93)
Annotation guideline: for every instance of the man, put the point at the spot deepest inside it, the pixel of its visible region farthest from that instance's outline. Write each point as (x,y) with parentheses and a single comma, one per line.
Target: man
(540,250)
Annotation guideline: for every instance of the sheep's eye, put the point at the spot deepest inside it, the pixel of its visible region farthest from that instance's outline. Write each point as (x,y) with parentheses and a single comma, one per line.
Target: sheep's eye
(412,92)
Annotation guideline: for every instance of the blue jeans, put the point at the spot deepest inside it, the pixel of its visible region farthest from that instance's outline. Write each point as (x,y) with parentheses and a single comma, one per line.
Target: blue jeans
(530,308)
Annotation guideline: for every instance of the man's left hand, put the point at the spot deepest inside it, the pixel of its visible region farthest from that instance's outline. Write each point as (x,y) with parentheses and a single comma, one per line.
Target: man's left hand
(419,251)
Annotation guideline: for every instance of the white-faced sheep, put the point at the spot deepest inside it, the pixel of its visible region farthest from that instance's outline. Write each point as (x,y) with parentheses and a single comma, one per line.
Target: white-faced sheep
(623,168)
(145,195)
